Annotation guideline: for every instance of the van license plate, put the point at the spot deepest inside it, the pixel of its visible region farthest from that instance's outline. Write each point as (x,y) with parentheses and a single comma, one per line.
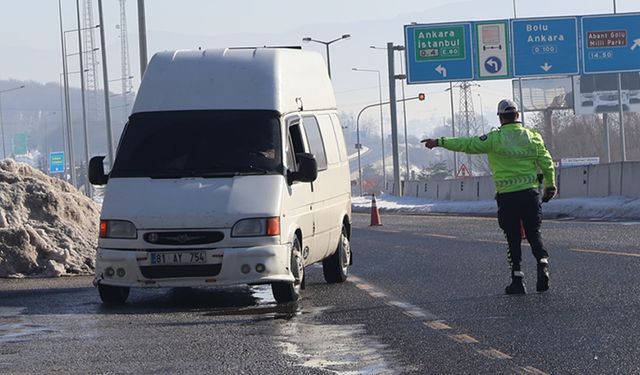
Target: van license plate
(183,257)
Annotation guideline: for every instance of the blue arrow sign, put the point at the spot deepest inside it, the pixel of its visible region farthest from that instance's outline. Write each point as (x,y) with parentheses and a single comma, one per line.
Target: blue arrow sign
(545,46)
(438,52)
(493,64)
(56,162)
(611,44)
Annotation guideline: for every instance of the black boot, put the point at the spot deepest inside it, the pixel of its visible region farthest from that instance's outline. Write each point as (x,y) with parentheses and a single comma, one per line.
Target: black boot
(517,284)
(542,284)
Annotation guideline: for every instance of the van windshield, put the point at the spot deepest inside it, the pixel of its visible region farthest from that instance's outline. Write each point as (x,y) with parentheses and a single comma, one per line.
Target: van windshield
(221,143)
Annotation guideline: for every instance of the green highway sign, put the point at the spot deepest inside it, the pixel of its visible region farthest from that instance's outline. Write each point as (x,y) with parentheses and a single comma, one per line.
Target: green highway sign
(437,53)
(439,43)
(19,142)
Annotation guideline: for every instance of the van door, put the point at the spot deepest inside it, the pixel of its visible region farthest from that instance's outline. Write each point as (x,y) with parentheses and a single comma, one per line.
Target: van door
(325,217)
(298,200)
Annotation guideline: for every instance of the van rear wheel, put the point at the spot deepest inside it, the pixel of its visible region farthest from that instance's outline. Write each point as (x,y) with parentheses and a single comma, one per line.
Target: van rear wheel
(285,292)
(113,295)
(336,267)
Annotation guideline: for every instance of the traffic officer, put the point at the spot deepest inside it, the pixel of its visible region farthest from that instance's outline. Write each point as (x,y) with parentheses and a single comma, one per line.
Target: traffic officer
(515,155)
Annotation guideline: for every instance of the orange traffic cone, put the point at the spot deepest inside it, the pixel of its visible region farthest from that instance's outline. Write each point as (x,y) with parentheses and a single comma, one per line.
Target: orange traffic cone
(523,235)
(375,214)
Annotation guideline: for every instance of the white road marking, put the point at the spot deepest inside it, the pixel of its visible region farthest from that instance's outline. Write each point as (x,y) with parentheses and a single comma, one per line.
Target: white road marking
(529,371)
(606,252)
(441,236)
(463,339)
(431,321)
(377,294)
(494,354)
(437,325)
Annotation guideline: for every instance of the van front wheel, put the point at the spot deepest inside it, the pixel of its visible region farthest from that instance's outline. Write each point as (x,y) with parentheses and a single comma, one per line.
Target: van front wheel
(336,267)
(113,295)
(285,292)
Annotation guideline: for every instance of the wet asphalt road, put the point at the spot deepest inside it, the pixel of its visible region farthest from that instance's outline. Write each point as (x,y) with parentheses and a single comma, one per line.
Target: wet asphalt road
(424,297)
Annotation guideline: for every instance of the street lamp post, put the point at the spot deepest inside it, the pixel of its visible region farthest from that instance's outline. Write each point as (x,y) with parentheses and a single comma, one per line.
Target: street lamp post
(419,97)
(402,78)
(66,99)
(105,74)
(326,44)
(384,167)
(481,113)
(4,152)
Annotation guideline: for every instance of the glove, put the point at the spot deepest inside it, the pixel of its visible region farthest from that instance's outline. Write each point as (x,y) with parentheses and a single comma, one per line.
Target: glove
(430,143)
(549,192)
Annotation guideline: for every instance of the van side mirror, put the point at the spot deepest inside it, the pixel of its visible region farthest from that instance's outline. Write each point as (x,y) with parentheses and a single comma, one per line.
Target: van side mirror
(307,168)
(96,171)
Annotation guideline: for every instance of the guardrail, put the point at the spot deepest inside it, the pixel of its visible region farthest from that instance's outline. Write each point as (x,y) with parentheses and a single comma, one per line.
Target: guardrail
(601,180)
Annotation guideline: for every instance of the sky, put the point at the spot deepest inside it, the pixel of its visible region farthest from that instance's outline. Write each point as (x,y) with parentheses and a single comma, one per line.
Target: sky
(31,39)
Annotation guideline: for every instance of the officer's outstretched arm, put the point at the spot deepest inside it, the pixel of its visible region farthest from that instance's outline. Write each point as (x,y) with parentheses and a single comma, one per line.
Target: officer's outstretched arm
(471,145)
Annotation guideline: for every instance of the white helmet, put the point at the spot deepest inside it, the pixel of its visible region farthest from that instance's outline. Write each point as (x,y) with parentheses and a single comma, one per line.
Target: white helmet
(507,106)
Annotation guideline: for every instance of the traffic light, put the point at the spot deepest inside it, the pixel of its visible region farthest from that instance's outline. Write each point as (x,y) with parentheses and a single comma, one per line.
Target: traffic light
(421,96)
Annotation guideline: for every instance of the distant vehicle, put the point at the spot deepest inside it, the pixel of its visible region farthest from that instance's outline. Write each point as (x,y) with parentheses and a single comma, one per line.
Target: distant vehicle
(232,169)
(601,91)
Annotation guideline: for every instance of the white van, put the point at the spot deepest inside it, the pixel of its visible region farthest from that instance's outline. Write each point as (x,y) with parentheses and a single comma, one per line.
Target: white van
(232,169)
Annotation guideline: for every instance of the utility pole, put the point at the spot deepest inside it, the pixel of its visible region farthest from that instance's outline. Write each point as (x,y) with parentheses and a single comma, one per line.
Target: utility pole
(142,32)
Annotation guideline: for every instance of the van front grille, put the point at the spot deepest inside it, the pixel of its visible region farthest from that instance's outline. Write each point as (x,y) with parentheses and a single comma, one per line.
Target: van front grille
(183,238)
(161,272)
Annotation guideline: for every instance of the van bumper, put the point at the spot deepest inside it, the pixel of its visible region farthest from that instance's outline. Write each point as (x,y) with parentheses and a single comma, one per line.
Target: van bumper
(232,266)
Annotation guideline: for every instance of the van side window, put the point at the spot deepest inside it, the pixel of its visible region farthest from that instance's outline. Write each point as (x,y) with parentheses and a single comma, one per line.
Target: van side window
(288,154)
(314,138)
(329,138)
(295,146)
(337,129)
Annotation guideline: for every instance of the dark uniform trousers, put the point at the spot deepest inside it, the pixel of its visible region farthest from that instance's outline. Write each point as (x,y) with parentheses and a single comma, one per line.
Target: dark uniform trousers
(515,206)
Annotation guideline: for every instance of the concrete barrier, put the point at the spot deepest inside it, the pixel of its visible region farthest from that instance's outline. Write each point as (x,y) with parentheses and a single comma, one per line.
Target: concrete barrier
(573,182)
(602,180)
(630,179)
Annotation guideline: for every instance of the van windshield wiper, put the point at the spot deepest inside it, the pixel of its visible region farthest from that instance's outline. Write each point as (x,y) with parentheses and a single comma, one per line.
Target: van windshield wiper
(227,171)
(191,174)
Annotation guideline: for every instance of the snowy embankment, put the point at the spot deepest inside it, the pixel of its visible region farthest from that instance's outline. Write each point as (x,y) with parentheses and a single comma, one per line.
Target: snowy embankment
(609,208)
(47,227)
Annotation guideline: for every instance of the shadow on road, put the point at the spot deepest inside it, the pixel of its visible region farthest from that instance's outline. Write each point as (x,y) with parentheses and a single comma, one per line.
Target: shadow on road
(54,298)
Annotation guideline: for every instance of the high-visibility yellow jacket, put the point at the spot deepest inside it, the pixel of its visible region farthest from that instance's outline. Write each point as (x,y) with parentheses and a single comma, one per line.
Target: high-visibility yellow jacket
(515,155)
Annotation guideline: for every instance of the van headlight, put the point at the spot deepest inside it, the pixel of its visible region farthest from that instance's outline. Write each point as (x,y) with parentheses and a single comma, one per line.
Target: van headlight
(269,226)
(117,229)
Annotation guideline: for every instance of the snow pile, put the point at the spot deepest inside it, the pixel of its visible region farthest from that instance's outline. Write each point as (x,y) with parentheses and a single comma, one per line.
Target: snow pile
(598,208)
(47,227)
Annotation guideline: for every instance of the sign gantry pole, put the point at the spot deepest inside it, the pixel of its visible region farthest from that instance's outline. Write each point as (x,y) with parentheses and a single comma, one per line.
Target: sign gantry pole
(394,120)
